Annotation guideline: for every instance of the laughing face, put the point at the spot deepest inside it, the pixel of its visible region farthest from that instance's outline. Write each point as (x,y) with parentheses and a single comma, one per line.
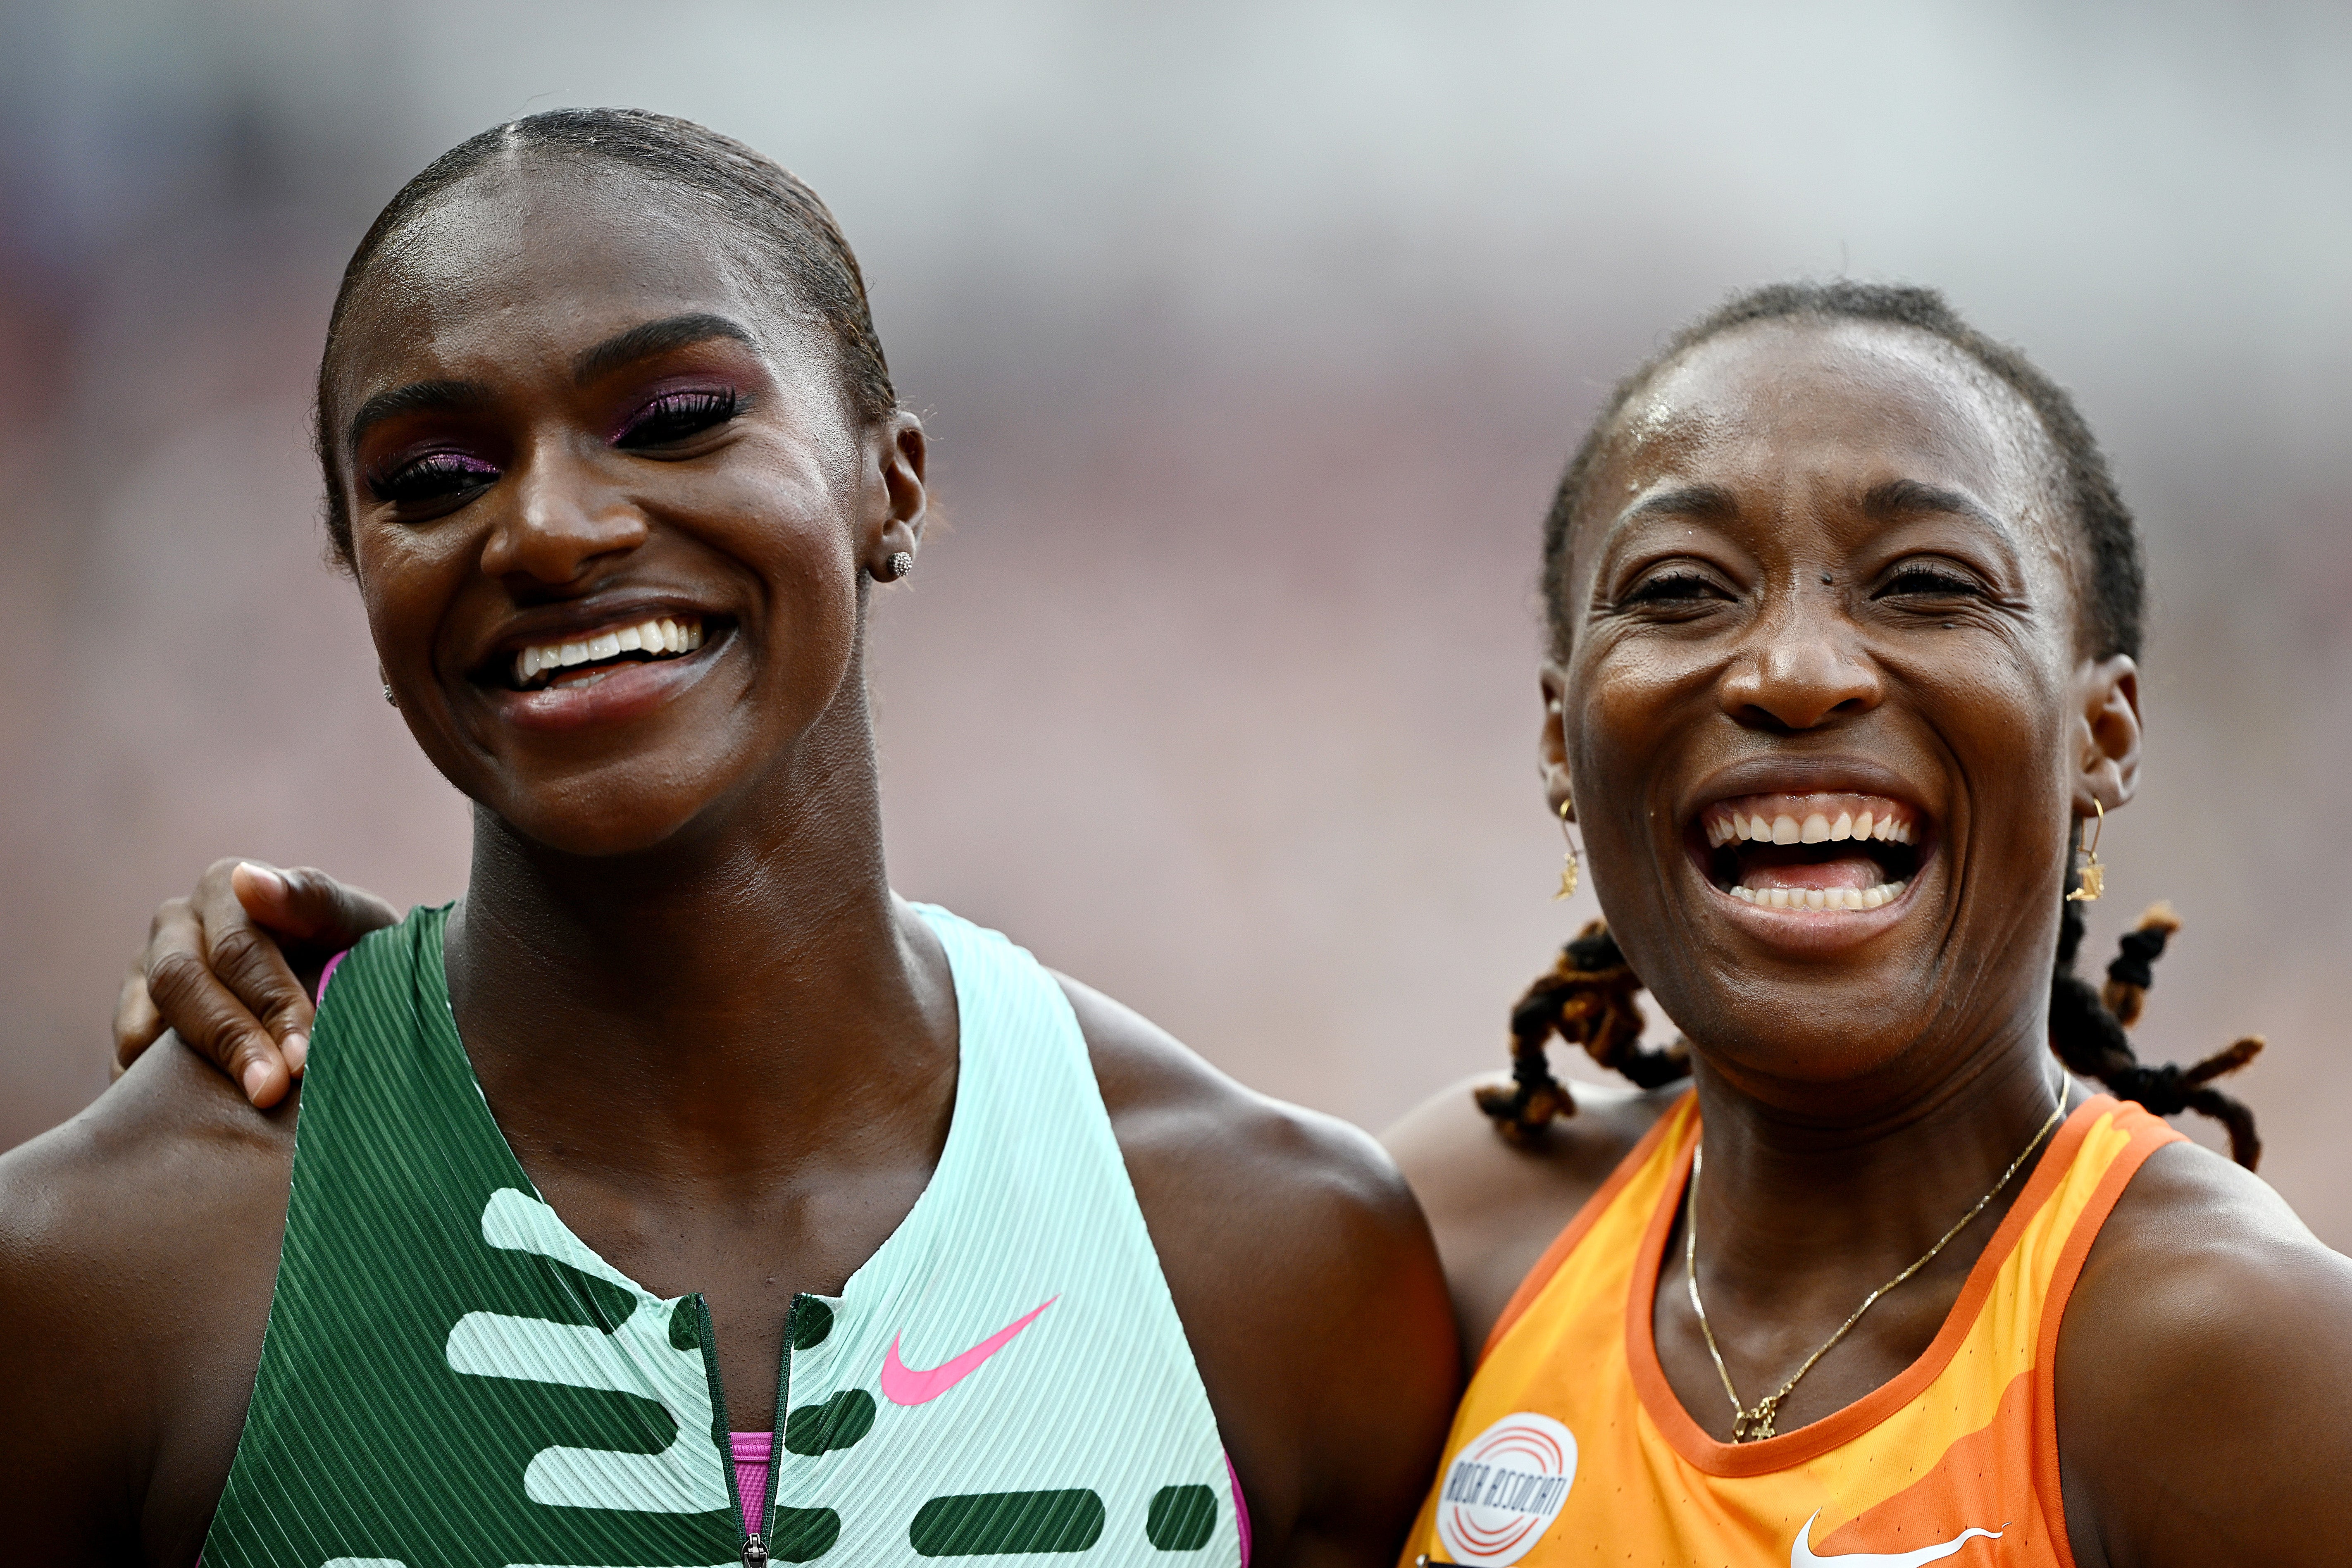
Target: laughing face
(610,510)
(1827,709)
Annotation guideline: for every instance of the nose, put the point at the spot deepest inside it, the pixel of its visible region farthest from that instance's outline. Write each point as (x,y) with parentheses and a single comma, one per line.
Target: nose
(1801,665)
(559,521)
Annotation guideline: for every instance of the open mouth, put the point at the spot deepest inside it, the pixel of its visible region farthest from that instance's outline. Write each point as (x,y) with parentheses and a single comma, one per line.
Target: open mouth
(566,663)
(1833,853)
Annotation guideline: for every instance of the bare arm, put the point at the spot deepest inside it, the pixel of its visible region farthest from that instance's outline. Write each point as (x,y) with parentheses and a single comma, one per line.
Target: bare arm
(1307,1286)
(138,1244)
(2205,1379)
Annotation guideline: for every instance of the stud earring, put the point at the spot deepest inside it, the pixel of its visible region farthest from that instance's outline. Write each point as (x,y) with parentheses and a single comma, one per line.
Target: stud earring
(1568,862)
(900,565)
(388,697)
(2091,876)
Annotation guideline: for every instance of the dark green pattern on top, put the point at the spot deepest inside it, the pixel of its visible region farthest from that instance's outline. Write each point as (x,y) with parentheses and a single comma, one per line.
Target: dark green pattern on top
(361,1440)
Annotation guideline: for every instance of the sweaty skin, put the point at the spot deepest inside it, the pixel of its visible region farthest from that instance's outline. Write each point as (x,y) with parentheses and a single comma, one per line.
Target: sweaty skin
(1824,557)
(677,903)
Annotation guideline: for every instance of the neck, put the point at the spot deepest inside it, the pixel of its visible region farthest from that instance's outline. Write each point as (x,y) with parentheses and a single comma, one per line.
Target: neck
(1793,1208)
(753,976)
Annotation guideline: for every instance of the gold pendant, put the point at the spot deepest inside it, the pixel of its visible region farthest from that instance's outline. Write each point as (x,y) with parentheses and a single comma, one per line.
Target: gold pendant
(1755,1425)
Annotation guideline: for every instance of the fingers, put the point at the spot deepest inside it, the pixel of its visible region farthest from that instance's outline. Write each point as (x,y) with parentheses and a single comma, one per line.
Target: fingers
(214,970)
(305,904)
(137,1025)
(209,1017)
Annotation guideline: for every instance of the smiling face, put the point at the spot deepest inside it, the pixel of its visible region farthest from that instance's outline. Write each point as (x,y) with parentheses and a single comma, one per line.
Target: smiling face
(1826,713)
(610,510)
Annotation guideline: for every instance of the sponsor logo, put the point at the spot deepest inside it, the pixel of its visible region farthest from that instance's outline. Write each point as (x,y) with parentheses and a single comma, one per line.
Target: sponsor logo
(1503,1489)
(904,1384)
(1801,1555)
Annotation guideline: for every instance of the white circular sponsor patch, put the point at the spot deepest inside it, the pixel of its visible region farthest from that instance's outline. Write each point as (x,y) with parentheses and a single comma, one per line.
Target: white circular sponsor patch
(1503,1489)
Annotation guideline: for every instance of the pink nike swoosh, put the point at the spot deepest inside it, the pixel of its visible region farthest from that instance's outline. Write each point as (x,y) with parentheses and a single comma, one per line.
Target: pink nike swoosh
(904,1384)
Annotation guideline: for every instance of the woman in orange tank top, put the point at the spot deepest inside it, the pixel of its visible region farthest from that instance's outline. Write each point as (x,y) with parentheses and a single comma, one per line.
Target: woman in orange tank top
(1844,611)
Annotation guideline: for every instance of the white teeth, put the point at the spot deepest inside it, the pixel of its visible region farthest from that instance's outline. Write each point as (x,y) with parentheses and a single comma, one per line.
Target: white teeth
(1821,898)
(1862,826)
(1816,830)
(664,635)
(1842,827)
(1784,829)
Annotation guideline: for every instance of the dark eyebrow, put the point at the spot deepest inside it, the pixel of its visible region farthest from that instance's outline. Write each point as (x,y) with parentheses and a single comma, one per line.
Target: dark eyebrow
(1896,497)
(652,338)
(1685,501)
(416,397)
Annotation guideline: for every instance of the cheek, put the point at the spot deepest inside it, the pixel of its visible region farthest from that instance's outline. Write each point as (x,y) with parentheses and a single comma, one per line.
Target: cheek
(1624,704)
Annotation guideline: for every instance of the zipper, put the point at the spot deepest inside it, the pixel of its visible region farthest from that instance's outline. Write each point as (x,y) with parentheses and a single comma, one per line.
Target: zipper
(755,1541)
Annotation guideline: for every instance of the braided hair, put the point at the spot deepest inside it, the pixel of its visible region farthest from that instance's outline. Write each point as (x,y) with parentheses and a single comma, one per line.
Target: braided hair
(1587,996)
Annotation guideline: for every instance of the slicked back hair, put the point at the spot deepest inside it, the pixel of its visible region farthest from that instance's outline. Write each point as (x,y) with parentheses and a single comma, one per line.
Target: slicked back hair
(763,202)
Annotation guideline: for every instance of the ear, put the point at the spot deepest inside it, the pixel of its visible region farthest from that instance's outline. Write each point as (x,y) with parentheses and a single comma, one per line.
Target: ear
(899,452)
(2106,738)
(1551,742)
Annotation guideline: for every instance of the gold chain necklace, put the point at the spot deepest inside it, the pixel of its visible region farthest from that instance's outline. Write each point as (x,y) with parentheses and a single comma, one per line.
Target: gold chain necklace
(1754,1425)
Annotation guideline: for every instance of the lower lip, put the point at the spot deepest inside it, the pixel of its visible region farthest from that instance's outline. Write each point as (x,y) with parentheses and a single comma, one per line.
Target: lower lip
(1815,931)
(631,691)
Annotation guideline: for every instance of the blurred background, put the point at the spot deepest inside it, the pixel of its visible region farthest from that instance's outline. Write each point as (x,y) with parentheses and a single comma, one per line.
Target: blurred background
(1252,338)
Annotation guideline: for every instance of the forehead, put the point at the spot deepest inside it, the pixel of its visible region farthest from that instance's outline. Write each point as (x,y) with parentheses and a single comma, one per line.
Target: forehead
(548,255)
(1836,406)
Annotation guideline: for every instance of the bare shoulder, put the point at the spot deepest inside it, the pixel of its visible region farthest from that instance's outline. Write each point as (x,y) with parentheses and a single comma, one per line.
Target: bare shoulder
(1494,1206)
(138,1245)
(1178,1117)
(1305,1278)
(2203,1373)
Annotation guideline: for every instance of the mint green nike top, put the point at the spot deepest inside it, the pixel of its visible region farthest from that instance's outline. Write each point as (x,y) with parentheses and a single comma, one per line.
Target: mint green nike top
(451,1378)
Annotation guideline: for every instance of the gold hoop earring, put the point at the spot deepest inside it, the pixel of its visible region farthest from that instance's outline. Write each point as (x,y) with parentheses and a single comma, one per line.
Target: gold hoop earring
(1568,862)
(2090,873)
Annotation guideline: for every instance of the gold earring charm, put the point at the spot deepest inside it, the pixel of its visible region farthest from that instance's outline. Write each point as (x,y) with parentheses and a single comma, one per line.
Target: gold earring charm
(1568,862)
(2092,876)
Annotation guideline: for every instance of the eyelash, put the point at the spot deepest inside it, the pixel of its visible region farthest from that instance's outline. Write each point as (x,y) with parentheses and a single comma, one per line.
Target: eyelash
(435,476)
(1671,587)
(1929,581)
(676,415)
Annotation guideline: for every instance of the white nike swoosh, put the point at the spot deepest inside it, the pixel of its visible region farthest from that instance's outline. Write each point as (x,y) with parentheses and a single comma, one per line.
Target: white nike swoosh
(1800,1556)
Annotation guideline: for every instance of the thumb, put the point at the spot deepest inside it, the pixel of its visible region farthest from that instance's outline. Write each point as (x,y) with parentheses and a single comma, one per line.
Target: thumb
(306,905)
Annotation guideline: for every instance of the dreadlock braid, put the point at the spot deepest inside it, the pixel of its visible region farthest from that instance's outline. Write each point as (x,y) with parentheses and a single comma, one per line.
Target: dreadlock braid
(2086,1030)
(1586,997)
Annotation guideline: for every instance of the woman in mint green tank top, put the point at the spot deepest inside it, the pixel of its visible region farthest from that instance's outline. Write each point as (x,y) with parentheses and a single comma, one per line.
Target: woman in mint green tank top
(680,1196)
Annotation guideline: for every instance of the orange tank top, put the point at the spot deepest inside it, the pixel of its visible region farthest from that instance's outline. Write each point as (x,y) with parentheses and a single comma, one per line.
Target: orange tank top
(1569,1447)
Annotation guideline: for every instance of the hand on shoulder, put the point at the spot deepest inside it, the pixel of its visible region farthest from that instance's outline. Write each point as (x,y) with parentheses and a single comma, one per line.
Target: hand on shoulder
(1306,1283)
(2204,1379)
